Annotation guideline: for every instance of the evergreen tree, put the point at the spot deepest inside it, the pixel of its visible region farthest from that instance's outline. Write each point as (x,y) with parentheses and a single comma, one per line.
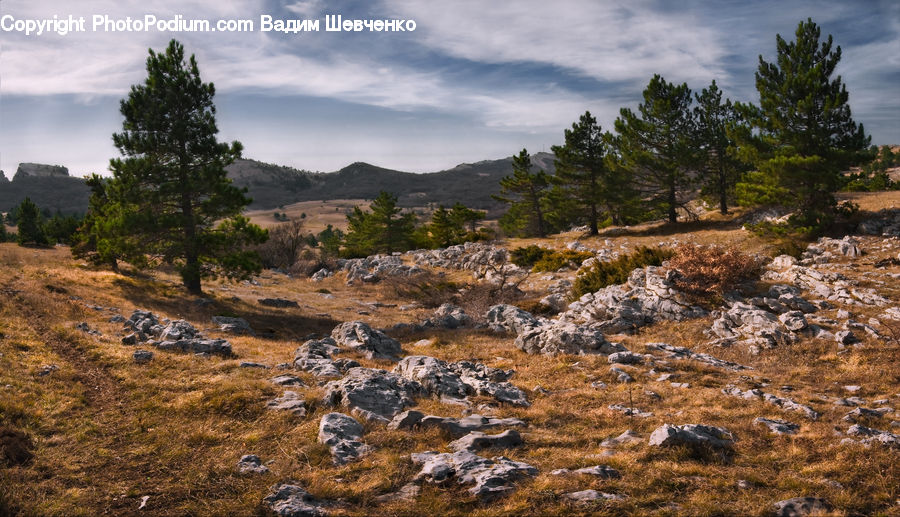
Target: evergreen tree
(330,240)
(383,229)
(170,200)
(722,168)
(805,134)
(444,230)
(4,236)
(581,168)
(657,148)
(61,228)
(524,191)
(29,224)
(463,215)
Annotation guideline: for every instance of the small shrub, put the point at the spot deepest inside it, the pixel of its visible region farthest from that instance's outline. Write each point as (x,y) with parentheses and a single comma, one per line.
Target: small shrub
(528,256)
(708,271)
(555,260)
(428,289)
(546,260)
(603,274)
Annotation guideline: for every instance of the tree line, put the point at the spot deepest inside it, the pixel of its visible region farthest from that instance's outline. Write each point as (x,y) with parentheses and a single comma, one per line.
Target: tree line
(790,149)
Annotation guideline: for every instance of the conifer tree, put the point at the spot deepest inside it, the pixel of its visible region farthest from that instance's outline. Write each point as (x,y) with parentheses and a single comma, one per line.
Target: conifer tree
(581,168)
(524,191)
(29,224)
(805,135)
(169,200)
(656,146)
(383,229)
(722,168)
(463,215)
(444,231)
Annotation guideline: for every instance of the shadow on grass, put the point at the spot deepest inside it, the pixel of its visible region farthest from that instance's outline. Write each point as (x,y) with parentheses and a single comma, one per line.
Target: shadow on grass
(171,301)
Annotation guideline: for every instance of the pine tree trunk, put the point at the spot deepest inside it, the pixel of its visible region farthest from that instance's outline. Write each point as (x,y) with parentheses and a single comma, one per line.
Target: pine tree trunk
(673,216)
(723,194)
(594,229)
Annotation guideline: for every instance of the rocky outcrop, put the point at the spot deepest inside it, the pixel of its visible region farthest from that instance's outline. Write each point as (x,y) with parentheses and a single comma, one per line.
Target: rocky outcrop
(341,433)
(870,436)
(509,318)
(40,170)
(491,477)
(372,343)
(314,356)
(649,296)
(777,426)
(832,287)
(678,352)
(470,256)
(458,380)
(376,391)
(560,337)
(289,401)
(251,464)
(177,335)
(449,316)
(376,268)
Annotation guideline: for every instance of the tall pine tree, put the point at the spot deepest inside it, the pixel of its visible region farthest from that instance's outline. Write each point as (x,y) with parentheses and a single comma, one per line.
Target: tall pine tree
(383,229)
(805,134)
(524,192)
(657,147)
(170,199)
(581,168)
(29,224)
(722,168)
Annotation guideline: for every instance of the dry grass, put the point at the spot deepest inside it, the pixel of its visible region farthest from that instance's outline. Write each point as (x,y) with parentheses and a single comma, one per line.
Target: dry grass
(107,431)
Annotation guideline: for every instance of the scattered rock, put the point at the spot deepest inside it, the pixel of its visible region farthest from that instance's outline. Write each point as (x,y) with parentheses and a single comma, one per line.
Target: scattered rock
(142,356)
(251,464)
(289,401)
(374,344)
(314,356)
(477,441)
(625,358)
(289,500)
(287,380)
(591,496)
(378,391)
(238,326)
(342,433)
(678,352)
(784,403)
(801,507)
(692,435)
(599,471)
(46,369)
(250,364)
(509,318)
(457,380)
(491,477)
(630,411)
(778,426)
(280,303)
(870,436)
(625,438)
(449,316)
(558,337)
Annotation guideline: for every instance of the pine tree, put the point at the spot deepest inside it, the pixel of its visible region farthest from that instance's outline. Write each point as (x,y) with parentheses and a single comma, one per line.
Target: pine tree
(581,168)
(444,231)
(4,236)
(170,200)
(383,229)
(722,169)
(463,215)
(657,147)
(805,134)
(29,224)
(524,191)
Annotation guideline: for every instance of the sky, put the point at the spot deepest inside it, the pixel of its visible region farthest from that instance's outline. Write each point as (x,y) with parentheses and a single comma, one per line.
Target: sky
(474,81)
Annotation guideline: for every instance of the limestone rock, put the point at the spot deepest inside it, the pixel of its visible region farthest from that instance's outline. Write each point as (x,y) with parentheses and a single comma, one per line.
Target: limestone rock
(238,326)
(251,464)
(491,477)
(359,336)
(290,500)
(777,426)
(449,316)
(678,352)
(342,434)
(378,391)
(559,337)
(509,318)
(289,401)
(142,356)
(801,507)
(692,435)
(782,402)
(314,356)
(590,496)
(477,441)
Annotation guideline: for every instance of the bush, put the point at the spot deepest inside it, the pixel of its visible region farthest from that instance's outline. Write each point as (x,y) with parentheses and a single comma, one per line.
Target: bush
(709,271)
(542,259)
(282,250)
(603,274)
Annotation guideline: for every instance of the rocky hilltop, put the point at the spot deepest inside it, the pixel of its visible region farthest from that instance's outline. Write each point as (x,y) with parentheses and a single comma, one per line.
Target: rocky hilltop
(40,170)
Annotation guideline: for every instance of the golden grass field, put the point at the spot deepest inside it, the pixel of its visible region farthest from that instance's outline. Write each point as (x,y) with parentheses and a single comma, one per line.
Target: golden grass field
(108,432)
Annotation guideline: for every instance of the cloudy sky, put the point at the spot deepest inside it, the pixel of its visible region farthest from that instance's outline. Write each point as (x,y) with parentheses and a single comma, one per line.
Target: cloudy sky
(476,80)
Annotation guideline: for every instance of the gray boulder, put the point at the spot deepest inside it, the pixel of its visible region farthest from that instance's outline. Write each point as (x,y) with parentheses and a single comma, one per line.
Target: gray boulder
(454,426)
(477,441)
(509,318)
(142,356)
(559,337)
(777,426)
(449,316)
(290,500)
(870,436)
(314,356)
(491,477)
(374,344)
(342,434)
(289,401)
(678,352)
(458,380)
(377,391)
(591,496)
(802,507)
(238,326)
(692,435)
(251,464)
(433,374)
(287,380)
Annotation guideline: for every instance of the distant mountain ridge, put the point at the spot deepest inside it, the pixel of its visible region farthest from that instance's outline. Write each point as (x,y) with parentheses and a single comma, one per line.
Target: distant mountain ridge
(272,186)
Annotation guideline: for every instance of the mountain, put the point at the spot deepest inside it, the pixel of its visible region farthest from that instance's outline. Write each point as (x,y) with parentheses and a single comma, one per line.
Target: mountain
(472,184)
(272,186)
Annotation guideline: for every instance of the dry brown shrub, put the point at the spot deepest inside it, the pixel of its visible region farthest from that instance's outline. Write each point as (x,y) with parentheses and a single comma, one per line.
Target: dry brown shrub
(708,271)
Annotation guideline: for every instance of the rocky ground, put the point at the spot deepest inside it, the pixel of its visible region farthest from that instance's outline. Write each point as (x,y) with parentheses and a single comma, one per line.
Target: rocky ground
(352,393)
